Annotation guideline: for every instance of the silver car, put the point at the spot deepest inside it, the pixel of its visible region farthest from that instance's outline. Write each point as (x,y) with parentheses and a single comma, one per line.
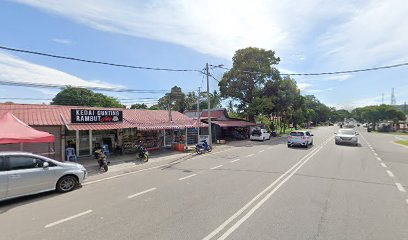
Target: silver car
(346,136)
(26,173)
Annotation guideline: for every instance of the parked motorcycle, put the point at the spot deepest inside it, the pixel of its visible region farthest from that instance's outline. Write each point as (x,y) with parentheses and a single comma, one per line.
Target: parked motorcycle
(202,148)
(102,159)
(143,153)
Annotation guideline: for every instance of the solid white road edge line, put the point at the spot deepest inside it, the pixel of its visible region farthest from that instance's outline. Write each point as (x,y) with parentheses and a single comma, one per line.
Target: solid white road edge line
(262,201)
(400,187)
(383,165)
(240,211)
(390,174)
(189,176)
(140,193)
(216,167)
(67,219)
(236,160)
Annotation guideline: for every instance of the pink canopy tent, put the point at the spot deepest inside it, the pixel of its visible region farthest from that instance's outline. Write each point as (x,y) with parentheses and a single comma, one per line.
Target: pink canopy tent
(13,130)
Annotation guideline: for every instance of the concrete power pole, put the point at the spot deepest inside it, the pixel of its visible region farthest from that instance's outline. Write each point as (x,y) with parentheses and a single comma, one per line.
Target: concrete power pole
(198,117)
(209,106)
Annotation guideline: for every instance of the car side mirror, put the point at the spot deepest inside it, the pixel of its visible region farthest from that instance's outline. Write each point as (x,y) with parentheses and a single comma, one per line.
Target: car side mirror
(357,134)
(46,165)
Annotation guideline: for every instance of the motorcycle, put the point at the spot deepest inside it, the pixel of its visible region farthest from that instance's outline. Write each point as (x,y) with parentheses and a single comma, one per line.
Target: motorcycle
(102,159)
(202,148)
(143,153)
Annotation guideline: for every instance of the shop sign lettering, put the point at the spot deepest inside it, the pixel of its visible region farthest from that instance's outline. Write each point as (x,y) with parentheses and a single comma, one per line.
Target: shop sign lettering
(96,116)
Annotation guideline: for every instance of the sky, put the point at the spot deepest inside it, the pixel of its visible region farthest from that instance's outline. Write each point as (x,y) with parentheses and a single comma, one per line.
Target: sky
(309,36)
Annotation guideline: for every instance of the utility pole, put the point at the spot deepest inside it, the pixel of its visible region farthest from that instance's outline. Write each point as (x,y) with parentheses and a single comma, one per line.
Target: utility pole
(198,117)
(209,106)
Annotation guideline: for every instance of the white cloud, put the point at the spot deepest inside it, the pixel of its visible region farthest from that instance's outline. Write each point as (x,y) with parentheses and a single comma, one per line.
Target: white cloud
(18,70)
(339,78)
(375,34)
(214,27)
(62,41)
(319,90)
(303,86)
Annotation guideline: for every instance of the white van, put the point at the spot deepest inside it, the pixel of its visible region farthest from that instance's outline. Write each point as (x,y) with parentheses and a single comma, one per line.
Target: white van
(260,134)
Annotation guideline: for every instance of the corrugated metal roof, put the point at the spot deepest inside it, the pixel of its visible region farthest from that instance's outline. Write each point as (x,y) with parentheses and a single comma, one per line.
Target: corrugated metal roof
(234,123)
(51,115)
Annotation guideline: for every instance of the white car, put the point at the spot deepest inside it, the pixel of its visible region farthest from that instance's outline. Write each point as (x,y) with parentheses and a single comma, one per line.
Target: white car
(26,173)
(300,138)
(260,134)
(346,136)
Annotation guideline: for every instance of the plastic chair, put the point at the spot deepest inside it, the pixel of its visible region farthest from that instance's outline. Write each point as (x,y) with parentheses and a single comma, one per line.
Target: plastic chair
(106,149)
(70,154)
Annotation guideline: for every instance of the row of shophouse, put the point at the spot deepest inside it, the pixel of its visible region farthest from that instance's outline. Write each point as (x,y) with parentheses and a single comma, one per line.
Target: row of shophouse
(80,128)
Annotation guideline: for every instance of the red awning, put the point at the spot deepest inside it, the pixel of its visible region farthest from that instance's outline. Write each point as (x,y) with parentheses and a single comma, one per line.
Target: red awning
(13,130)
(234,123)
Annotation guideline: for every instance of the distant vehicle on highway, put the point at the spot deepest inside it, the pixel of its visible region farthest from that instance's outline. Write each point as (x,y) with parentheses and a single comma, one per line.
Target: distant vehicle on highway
(24,174)
(300,138)
(331,124)
(346,136)
(260,134)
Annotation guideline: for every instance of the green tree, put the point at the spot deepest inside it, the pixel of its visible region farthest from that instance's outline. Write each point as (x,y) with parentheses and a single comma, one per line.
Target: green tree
(175,98)
(139,106)
(191,100)
(73,96)
(244,82)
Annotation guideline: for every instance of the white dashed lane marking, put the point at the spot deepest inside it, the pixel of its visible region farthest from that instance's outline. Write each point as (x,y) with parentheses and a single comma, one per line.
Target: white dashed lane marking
(383,165)
(216,167)
(250,155)
(236,160)
(138,194)
(67,219)
(400,187)
(189,176)
(390,173)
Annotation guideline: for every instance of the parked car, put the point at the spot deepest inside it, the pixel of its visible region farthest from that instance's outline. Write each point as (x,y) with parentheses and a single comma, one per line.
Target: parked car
(346,136)
(260,134)
(24,173)
(300,138)
(331,124)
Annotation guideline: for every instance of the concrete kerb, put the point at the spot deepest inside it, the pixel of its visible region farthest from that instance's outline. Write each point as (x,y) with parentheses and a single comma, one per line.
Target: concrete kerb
(128,166)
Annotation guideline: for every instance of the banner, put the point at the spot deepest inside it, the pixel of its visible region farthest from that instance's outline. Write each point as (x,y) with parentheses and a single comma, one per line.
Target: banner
(96,116)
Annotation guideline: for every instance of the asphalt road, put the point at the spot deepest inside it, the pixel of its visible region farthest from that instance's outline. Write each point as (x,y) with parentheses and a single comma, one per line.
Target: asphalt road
(262,190)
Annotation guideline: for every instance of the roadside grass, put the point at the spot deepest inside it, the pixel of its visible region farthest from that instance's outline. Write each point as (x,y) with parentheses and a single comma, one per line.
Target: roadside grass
(403,142)
(392,133)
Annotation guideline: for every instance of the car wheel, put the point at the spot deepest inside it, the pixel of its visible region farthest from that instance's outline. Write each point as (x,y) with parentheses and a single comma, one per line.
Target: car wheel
(311,143)
(289,146)
(66,183)
(337,143)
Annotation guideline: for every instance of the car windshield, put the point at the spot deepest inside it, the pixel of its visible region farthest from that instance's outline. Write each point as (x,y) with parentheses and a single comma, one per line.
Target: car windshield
(347,132)
(297,134)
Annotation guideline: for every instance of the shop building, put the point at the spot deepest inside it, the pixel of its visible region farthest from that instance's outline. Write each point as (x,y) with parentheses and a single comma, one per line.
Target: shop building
(223,127)
(81,128)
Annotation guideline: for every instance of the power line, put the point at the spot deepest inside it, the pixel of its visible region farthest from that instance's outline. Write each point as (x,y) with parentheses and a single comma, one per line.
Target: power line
(325,73)
(98,62)
(48,85)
